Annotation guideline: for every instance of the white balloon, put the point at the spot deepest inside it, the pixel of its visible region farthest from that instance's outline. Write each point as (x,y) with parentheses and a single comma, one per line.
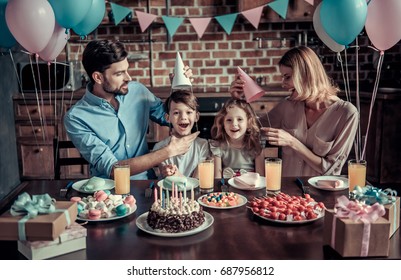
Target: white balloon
(321,33)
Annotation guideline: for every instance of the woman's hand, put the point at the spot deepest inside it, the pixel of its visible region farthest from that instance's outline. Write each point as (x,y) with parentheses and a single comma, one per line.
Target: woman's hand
(168,170)
(277,137)
(237,88)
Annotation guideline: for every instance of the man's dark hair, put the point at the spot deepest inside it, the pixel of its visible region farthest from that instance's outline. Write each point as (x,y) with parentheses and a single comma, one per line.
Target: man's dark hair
(100,54)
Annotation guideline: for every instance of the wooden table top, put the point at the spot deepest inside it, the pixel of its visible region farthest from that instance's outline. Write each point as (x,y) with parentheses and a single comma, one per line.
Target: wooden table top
(236,234)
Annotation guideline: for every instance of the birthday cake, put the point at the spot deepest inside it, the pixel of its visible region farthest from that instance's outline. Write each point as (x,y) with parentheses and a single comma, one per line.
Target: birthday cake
(175,215)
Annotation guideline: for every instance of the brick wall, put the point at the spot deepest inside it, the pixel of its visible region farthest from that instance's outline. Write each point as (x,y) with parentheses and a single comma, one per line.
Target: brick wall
(214,57)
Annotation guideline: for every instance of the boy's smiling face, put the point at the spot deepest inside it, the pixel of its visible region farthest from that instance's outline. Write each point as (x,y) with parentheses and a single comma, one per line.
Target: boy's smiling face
(182,118)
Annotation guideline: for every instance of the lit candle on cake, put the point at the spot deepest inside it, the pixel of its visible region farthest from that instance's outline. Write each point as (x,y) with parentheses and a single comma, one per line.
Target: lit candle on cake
(192,197)
(172,191)
(181,202)
(167,198)
(161,194)
(155,194)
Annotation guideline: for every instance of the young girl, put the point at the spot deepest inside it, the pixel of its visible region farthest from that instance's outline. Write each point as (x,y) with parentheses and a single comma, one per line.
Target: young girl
(236,140)
(182,113)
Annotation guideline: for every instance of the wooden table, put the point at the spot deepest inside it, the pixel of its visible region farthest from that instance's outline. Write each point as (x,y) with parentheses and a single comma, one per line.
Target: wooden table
(235,234)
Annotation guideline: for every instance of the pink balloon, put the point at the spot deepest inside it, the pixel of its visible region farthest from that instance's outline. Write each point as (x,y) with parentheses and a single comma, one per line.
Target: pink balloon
(56,44)
(31,22)
(383,23)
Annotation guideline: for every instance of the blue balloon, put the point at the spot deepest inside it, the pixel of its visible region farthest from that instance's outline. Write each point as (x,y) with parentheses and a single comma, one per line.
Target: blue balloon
(343,20)
(69,13)
(92,19)
(7,39)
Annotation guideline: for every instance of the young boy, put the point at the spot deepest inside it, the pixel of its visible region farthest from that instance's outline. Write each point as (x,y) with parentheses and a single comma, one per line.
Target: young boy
(182,113)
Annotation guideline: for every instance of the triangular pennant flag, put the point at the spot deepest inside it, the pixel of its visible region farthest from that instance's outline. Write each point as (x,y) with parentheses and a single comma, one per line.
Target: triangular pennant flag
(144,19)
(227,22)
(200,25)
(119,12)
(253,15)
(310,2)
(172,24)
(280,7)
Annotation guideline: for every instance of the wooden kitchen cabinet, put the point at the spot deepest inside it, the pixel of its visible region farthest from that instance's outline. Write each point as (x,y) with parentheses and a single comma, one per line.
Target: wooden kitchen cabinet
(298,10)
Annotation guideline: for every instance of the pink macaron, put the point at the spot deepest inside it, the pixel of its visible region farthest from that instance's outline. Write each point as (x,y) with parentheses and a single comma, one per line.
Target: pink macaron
(94,214)
(130,200)
(100,196)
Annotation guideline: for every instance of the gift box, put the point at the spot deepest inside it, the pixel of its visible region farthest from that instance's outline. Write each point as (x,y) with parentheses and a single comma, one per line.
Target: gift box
(393,215)
(71,240)
(353,237)
(47,226)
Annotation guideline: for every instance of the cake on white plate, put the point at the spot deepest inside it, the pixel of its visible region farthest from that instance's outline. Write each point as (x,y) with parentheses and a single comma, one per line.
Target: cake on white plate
(248,180)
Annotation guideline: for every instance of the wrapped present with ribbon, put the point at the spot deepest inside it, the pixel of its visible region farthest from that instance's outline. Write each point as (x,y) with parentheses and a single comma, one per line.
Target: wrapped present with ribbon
(39,217)
(387,197)
(355,229)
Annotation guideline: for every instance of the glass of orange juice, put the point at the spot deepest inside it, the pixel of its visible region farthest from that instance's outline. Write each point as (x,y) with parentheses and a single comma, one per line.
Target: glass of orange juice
(206,175)
(273,174)
(122,178)
(356,173)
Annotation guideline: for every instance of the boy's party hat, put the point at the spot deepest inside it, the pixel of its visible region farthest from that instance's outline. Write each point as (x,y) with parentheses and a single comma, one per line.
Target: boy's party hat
(180,80)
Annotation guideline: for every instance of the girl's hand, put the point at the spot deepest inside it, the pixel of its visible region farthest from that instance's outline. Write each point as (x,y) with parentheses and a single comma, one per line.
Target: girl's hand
(277,137)
(168,170)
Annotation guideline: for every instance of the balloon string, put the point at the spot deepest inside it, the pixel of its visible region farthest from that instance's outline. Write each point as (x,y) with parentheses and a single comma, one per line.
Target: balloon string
(44,125)
(23,97)
(372,102)
(358,100)
(37,95)
(339,59)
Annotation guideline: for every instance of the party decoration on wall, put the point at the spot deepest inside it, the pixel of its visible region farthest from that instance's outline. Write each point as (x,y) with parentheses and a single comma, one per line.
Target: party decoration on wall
(180,80)
(280,7)
(253,16)
(383,23)
(69,13)
(31,22)
(144,19)
(119,12)
(322,34)
(92,20)
(56,44)
(227,22)
(200,25)
(7,39)
(343,20)
(172,24)
(252,90)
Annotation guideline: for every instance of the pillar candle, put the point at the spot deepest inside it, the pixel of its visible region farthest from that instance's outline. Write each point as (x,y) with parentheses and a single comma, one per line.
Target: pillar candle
(172,191)
(181,201)
(161,194)
(155,194)
(185,192)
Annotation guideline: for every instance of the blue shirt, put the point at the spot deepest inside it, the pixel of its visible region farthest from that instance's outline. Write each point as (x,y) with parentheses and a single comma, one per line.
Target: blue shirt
(104,136)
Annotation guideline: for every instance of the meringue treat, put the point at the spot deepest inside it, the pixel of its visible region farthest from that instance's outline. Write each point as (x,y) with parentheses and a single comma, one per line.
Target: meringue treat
(122,178)
(206,175)
(273,174)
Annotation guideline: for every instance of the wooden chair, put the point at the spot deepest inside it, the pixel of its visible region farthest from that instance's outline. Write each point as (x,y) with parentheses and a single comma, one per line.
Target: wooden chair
(60,160)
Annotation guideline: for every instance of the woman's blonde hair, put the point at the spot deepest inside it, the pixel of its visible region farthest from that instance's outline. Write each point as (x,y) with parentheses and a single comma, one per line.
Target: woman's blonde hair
(252,136)
(308,75)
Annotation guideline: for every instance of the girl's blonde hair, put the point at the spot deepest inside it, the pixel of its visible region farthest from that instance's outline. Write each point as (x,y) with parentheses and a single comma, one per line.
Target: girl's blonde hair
(308,75)
(252,136)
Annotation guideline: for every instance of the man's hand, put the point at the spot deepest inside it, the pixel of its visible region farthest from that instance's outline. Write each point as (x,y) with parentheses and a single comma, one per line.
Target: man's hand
(277,137)
(179,146)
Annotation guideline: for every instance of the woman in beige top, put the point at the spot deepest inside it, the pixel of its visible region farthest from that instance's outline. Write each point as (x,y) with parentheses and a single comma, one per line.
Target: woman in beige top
(314,127)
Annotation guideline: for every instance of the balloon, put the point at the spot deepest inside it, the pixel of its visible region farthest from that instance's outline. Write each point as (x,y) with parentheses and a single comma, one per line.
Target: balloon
(326,39)
(6,38)
(343,20)
(56,44)
(31,22)
(383,23)
(70,12)
(92,19)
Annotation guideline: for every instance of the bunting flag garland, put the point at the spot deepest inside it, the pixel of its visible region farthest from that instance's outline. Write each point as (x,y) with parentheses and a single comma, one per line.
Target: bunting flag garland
(145,19)
(200,25)
(172,24)
(119,12)
(280,7)
(227,21)
(253,15)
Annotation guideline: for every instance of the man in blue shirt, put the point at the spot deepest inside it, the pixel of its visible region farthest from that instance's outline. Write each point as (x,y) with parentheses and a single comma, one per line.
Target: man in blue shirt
(109,124)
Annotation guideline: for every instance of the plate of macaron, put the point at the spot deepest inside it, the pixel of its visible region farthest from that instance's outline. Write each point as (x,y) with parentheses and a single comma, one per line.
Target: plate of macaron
(183,183)
(222,200)
(89,186)
(103,206)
